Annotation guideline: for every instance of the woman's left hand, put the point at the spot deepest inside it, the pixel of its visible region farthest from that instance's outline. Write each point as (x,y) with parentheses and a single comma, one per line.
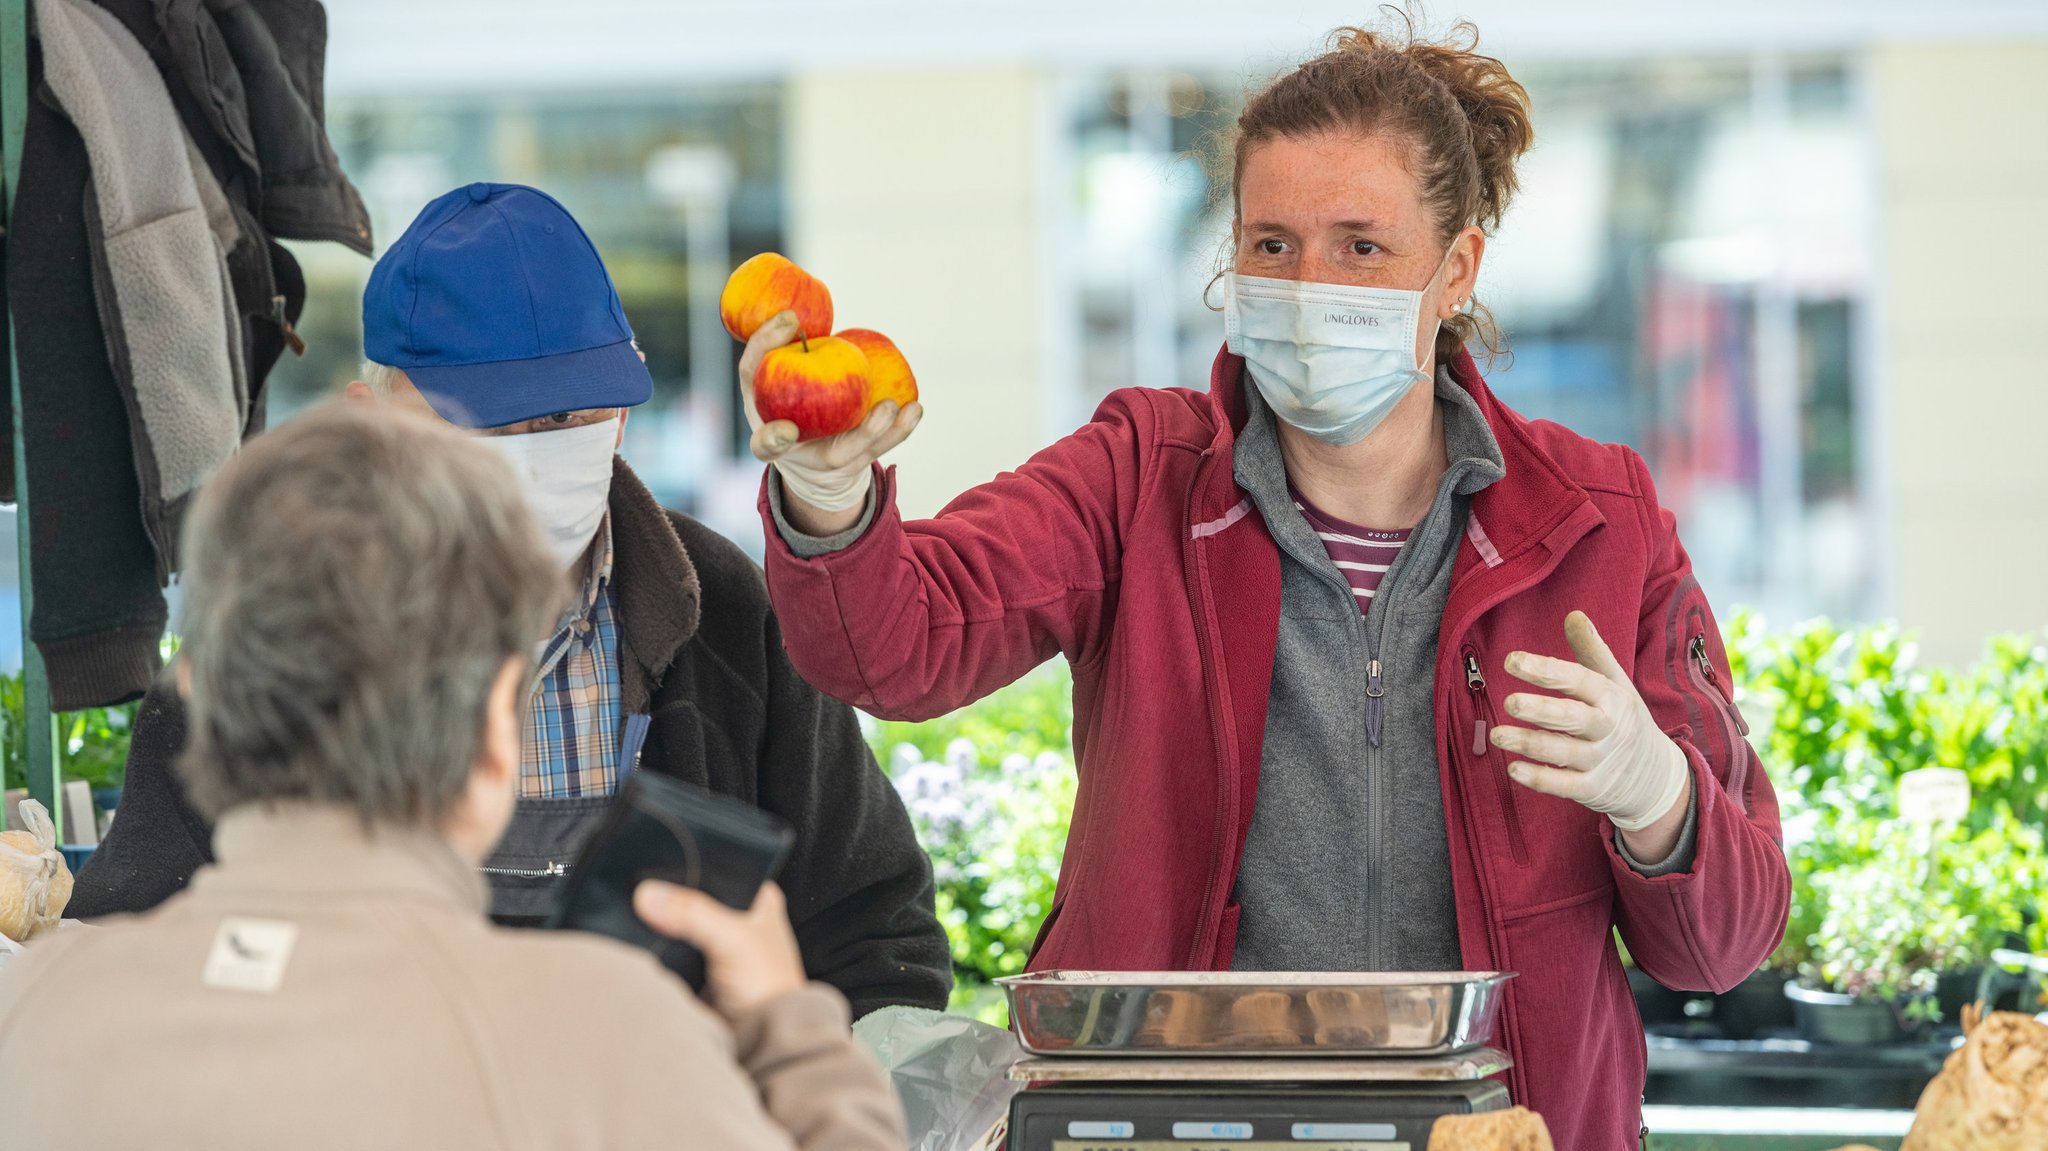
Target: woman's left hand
(1608,751)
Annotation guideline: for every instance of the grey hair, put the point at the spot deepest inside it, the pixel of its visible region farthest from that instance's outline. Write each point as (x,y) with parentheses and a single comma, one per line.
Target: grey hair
(379,376)
(356,582)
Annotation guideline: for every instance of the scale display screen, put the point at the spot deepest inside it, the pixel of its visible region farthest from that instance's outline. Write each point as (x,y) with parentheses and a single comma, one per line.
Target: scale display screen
(1226,1145)
(1174,1116)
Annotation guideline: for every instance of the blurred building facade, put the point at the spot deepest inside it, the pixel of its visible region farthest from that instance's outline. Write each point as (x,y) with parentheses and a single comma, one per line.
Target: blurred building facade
(1786,251)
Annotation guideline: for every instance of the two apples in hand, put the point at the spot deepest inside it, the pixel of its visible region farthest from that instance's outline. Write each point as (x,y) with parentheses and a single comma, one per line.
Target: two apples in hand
(823,384)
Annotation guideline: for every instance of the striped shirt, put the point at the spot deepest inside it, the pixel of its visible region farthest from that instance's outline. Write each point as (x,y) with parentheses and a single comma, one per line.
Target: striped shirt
(1363,555)
(573,719)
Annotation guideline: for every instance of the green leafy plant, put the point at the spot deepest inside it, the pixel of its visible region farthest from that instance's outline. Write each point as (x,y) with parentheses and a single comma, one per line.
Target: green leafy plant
(92,745)
(990,790)
(1879,907)
(1925,901)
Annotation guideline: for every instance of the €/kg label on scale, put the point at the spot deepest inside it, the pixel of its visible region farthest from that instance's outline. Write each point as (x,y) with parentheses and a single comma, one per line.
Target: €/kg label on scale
(1231,1145)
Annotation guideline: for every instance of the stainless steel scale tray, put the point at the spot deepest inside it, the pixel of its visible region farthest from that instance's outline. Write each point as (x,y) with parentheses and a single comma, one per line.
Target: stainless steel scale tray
(1467,1067)
(1220,1014)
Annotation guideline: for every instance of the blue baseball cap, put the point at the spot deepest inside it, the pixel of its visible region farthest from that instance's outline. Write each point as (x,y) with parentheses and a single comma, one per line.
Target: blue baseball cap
(496,305)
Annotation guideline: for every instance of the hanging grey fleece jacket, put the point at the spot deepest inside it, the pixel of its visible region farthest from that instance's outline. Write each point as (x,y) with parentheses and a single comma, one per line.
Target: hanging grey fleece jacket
(1347,867)
(164,290)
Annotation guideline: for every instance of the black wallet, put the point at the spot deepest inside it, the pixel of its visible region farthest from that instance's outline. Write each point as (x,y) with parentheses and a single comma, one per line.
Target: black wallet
(662,828)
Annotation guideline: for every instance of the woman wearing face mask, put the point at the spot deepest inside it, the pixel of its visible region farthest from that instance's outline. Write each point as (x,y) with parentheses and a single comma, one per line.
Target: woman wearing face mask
(1370,672)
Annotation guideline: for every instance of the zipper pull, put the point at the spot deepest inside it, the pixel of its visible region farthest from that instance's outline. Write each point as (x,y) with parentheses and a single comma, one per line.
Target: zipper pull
(555,867)
(292,339)
(1375,691)
(1699,656)
(1476,680)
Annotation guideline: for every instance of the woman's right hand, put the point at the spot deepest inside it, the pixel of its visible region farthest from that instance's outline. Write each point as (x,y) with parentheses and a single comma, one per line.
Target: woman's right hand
(750,957)
(826,480)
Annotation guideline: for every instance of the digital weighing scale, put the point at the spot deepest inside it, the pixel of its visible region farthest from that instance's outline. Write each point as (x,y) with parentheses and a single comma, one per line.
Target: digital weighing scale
(1228,1061)
(1267,1113)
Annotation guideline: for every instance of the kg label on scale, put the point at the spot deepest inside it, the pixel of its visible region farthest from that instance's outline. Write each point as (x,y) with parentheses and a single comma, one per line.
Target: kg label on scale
(1261,1145)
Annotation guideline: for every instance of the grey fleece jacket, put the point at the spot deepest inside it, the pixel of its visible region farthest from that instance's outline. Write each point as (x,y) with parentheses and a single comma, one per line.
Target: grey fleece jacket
(1347,867)
(166,300)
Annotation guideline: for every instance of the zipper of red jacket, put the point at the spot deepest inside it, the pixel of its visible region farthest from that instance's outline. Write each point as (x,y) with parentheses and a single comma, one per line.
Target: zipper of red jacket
(1219,698)
(1482,727)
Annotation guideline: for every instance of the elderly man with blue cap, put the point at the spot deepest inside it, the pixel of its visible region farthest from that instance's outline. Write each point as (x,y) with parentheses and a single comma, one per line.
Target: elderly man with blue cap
(494,313)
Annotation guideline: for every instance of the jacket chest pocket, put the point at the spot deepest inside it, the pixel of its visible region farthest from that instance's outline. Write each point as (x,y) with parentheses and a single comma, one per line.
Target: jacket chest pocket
(1484,764)
(539,849)
(1719,731)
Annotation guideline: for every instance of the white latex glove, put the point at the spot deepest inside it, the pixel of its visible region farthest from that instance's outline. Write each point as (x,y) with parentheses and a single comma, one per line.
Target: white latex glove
(830,474)
(1608,750)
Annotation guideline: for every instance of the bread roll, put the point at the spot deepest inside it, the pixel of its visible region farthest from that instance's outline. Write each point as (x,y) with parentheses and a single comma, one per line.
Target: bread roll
(1992,1093)
(1516,1129)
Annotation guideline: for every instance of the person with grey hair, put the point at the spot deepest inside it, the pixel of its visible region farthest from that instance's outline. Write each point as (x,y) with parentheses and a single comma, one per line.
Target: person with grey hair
(363,592)
(493,313)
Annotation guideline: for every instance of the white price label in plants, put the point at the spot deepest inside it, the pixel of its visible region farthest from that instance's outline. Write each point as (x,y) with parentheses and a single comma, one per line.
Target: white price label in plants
(1934,795)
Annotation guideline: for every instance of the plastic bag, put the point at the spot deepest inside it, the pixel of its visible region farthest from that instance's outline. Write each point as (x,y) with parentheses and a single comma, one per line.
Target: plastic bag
(34,882)
(951,1072)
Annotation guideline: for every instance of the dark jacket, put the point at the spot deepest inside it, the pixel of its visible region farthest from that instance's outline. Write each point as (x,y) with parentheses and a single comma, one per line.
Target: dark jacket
(245,78)
(701,653)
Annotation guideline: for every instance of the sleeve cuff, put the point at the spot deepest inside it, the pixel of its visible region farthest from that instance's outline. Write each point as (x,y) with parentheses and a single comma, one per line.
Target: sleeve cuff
(1681,856)
(789,1023)
(808,546)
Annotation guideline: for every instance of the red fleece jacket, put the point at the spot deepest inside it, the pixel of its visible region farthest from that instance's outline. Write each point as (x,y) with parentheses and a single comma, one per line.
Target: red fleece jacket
(1128,548)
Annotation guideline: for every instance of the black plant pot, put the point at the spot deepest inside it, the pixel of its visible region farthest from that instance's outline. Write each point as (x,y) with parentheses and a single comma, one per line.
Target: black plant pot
(1954,989)
(1829,1017)
(1754,1007)
(1668,1012)
(1657,1004)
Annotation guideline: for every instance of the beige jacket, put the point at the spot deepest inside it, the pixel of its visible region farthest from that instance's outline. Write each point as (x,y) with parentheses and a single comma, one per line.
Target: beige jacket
(325,988)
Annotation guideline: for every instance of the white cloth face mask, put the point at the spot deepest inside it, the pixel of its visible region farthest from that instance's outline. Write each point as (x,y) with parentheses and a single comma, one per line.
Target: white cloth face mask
(567,476)
(1330,359)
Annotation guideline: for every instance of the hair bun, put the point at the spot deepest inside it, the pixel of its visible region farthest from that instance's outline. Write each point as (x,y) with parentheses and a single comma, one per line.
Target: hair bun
(1496,108)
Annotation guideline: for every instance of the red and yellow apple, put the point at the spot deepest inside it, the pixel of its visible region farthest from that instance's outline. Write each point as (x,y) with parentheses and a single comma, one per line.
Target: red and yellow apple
(889,375)
(820,385)
(768,285)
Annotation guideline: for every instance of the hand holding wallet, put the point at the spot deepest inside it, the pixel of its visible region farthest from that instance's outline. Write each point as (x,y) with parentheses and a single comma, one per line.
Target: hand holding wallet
(662,828)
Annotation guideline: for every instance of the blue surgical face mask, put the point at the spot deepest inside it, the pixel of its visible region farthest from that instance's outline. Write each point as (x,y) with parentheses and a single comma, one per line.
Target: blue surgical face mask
(1330,359)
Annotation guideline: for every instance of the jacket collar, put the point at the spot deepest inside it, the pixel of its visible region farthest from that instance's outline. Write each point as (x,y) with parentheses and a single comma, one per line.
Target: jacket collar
(1531,501)
(294,848)
(659,598)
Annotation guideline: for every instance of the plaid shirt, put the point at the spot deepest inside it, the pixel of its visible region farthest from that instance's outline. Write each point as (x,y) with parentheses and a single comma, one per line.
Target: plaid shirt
(573,721)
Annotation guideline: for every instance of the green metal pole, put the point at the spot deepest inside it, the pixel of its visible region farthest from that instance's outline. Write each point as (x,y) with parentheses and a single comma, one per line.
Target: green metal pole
(40,742)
